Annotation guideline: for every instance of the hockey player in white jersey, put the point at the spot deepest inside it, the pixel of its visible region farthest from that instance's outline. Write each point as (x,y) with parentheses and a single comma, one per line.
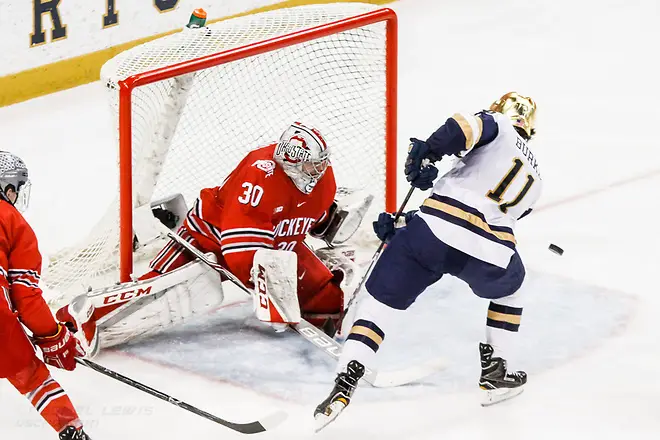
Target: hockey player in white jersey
(464,229)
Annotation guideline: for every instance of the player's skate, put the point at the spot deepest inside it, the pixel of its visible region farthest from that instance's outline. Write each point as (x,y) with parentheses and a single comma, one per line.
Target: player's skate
(71,433)
(78,315)
(340,397)
(499,383)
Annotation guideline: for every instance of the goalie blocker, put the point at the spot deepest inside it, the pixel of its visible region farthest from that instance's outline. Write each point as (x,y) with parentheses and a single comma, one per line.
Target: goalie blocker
(123,312)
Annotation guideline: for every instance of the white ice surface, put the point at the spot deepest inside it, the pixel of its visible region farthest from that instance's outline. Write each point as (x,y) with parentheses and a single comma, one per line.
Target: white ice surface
(590,328)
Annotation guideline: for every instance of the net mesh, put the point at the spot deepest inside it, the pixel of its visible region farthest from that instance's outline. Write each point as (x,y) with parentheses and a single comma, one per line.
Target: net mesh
(335,83)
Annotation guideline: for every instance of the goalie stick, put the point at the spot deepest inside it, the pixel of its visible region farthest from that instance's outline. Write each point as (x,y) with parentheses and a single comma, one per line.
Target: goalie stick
(264,424)
(323,341)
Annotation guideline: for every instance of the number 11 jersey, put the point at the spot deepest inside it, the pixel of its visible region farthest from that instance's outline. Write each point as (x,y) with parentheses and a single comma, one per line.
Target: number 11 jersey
(474,207)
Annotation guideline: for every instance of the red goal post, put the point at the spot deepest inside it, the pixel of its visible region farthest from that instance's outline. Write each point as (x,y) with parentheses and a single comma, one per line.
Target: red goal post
(127,86)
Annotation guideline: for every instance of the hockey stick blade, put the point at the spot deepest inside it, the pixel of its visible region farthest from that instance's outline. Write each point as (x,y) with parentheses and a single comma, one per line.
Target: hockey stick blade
(265,424)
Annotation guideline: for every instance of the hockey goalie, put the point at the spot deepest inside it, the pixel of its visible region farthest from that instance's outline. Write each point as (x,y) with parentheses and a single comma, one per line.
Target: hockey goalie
(254,224)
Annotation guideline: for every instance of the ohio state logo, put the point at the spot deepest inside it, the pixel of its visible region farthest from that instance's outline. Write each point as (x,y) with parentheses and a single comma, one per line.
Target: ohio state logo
(294,150)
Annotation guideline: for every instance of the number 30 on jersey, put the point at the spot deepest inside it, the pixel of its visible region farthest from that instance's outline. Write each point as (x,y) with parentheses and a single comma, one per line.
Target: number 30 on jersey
(252,195)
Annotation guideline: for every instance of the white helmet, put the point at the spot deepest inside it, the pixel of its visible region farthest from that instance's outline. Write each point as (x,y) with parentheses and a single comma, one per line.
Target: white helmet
(14,176)
(304,156)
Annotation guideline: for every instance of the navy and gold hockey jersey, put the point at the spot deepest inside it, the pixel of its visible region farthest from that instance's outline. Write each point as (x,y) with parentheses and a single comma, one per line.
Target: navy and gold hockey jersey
(496,181)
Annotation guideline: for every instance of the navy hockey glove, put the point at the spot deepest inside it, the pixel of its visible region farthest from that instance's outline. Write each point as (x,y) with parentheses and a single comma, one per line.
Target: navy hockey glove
(384,226)
(419,175)
(425,178)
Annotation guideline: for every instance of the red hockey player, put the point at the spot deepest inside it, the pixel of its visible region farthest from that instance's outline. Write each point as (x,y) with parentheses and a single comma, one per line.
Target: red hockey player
(254,224)
(21,304)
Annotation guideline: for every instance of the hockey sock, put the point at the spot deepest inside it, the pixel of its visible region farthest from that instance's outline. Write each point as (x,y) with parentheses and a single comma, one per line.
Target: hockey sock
(372,318)
(46,395)
(502,325)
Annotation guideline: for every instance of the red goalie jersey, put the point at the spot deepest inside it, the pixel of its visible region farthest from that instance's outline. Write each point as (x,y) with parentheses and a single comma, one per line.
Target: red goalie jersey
(258,206)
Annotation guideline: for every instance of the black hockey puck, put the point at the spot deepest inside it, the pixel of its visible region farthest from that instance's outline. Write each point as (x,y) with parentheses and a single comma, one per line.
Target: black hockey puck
(556,249)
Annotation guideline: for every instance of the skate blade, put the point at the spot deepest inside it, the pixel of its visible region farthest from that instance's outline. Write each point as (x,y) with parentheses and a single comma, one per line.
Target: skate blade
(493,397)
(322,420)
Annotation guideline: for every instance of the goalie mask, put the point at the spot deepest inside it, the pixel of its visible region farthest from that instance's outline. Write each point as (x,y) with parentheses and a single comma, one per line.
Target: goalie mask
(521,110)
(14,183)
(304,156)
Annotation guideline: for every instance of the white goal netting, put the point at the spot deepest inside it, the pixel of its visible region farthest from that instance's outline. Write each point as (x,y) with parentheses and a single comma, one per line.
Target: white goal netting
(189,132)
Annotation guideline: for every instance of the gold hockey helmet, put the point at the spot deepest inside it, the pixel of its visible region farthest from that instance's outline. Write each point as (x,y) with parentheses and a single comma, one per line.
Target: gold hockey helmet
(521,110)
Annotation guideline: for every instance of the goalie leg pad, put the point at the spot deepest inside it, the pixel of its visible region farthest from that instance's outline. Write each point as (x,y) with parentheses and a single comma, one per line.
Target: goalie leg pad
(274,277)
(156,304)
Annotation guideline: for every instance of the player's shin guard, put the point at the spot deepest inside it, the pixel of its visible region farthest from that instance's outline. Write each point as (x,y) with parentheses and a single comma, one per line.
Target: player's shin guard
(367,333)
(340,397)
(502,325)
(361,345)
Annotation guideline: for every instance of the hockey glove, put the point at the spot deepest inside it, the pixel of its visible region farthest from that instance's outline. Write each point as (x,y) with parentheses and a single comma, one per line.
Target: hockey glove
(61,349)
(425,178)
(419,175)
(385,228)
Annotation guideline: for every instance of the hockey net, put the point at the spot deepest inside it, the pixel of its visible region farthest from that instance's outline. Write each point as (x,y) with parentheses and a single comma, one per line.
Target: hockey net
(190,105)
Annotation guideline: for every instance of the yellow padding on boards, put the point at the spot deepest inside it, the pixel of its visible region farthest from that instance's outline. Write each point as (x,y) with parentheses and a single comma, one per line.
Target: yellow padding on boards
(503,317)
(83,69)
(470,218)
(365,331)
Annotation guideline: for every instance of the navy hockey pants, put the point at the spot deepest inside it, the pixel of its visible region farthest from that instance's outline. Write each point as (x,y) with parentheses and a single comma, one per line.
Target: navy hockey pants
(415,259)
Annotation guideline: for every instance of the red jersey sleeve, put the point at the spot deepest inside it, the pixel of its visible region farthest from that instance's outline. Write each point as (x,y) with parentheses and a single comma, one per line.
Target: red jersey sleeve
(22,260)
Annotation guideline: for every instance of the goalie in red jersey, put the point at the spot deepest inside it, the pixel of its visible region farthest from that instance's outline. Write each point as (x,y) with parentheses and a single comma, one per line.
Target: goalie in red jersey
(254,224)
(21,304)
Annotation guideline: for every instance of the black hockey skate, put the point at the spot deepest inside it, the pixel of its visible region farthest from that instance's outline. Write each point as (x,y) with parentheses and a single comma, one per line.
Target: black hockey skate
(499,383)
(340,397)
(71,433)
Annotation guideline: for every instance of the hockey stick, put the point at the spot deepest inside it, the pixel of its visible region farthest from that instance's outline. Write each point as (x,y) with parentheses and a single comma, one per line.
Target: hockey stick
(267,423)
(375,257)
(323,341)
